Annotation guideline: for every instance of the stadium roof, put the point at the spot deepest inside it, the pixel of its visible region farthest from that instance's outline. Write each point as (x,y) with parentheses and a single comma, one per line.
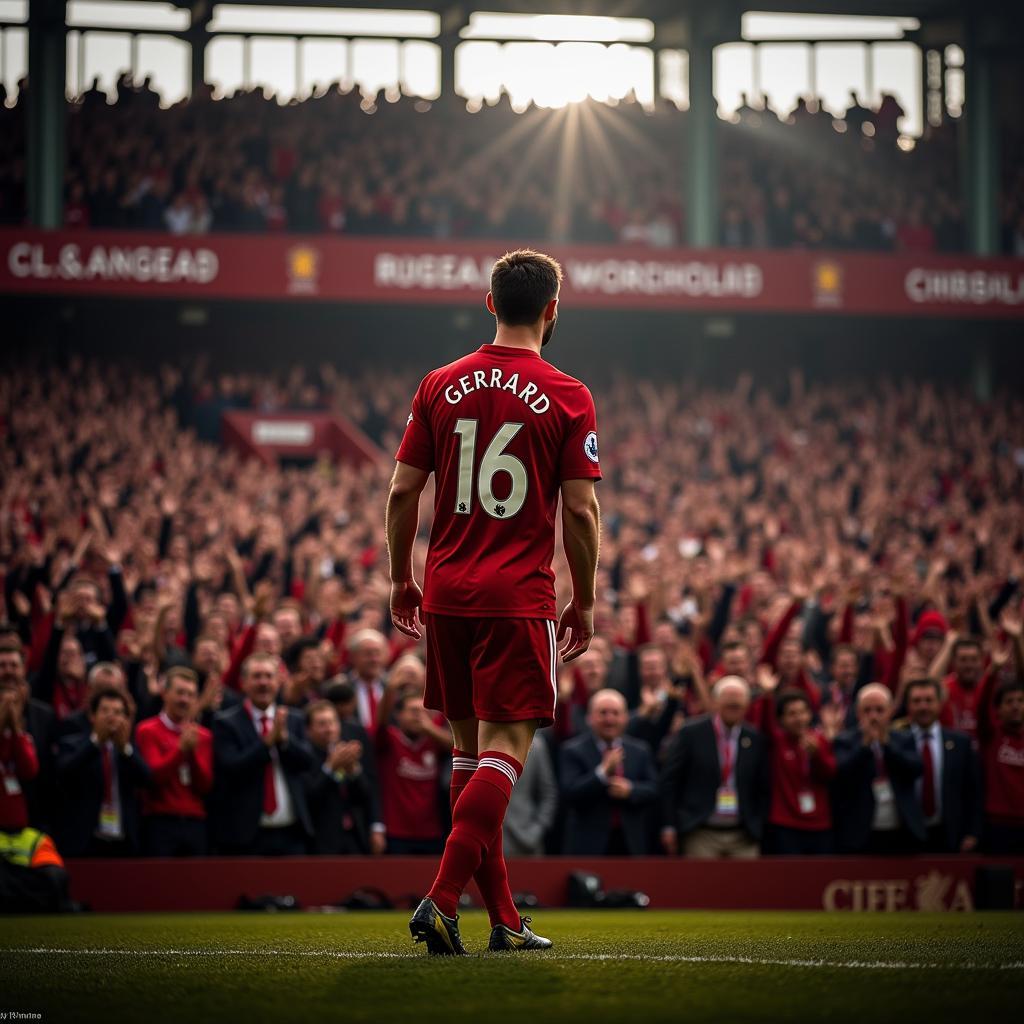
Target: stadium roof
(653,9)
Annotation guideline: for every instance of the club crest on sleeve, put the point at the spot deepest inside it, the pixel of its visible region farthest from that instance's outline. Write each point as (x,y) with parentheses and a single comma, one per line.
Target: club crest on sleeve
(590,446)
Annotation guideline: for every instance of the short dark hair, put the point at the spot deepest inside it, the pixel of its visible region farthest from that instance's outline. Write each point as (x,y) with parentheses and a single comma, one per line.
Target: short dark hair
(255,657)
(339,691)
(313,709)
(293,656)
(1003,690)
(108,693)
(920,684)
(966,641)
(788,697)
(844,649)
(522,284)
(404,697)
(13,647)
(180,672)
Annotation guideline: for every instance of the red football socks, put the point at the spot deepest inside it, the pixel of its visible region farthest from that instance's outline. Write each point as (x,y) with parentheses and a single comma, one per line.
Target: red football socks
(492,875)
(476,823)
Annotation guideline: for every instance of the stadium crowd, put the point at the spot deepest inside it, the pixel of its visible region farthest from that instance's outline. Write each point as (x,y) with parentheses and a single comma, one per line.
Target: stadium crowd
(340,164)
(808,627)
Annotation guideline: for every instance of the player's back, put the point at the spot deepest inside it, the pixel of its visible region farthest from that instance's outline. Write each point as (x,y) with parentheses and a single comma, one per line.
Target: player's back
(501,428)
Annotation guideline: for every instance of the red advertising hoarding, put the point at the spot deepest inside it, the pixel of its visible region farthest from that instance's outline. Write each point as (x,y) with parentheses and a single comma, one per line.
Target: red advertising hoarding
(419,271)
(771,883)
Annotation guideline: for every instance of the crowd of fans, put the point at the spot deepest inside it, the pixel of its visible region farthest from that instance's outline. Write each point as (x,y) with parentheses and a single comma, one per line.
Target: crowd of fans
(337,163)
(808,627)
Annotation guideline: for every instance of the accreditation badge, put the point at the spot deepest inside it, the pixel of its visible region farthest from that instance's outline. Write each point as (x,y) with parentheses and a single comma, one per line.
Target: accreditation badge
(726,802)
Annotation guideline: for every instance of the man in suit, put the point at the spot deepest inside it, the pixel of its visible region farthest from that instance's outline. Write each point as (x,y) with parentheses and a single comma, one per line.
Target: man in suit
(877,808)
(261,760)
(338,787)
(714,786)
(841,690)
(367,652)
(99,773)
(949,789)
(608,783)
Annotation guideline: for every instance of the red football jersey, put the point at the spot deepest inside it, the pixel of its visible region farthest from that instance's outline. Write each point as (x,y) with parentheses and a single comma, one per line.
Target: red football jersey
(501,428)
(960,710)
(409,795)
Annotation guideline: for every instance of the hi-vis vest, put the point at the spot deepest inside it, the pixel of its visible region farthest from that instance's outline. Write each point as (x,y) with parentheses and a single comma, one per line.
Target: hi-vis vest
(29,848)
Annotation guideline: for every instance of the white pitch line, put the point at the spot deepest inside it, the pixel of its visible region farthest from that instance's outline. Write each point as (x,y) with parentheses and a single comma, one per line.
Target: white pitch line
(336,954)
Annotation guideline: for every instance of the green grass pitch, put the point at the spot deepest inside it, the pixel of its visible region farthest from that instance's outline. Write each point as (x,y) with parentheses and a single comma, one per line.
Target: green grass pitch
(637,967)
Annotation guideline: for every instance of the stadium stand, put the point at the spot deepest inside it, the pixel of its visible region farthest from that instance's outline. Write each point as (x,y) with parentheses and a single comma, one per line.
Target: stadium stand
(816,540)
(338,163)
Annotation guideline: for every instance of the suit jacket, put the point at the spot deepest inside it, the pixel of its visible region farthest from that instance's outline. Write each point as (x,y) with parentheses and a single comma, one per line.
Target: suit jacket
(962,801)
(340,811)
(534,803)
(852,795)
(80,775)
(41,792)
(653,730)
(589,818)
(692,775)
(240,758)
(76,724)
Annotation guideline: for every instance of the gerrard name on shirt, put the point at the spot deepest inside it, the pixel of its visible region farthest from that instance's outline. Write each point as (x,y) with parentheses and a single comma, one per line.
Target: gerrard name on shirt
(494,378)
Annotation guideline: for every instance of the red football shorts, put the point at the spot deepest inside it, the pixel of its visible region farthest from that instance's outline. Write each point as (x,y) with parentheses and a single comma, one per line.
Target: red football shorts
(498,670)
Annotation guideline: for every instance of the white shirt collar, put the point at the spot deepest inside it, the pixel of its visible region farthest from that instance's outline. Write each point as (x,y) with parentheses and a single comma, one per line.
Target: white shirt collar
(270,711)
(166,719)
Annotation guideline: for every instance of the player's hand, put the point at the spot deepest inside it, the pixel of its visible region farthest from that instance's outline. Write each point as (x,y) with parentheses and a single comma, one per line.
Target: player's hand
(578,624)
(406,602)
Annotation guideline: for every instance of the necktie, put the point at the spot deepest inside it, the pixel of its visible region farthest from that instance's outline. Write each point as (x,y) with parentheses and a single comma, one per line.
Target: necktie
(928,777)
(108,777)
(269,795)
(618,772)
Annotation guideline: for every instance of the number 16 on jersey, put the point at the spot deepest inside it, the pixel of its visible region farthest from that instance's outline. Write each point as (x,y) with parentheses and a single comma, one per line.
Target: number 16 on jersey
(495,460)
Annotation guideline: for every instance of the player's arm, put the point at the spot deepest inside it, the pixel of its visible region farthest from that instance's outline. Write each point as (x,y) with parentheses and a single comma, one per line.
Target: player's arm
(581,538)
(401,522)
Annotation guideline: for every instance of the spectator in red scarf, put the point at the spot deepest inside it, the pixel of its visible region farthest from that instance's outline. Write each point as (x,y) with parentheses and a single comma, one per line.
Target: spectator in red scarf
(60,681)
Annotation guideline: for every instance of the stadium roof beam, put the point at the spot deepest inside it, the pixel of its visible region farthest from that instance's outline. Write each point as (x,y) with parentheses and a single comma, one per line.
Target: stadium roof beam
(46,112)
(980,144)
